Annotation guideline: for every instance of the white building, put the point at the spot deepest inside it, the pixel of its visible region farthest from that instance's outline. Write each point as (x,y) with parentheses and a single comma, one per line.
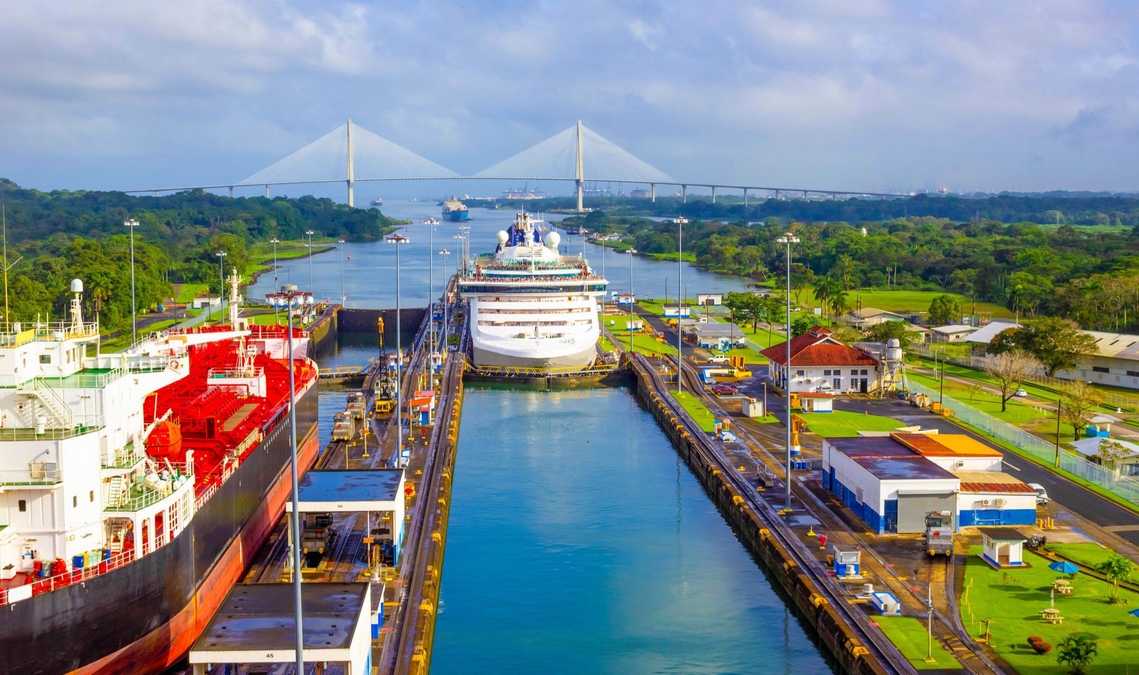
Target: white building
(1116,363)
(820,363)
(952,333)
(891,482)
(870,316)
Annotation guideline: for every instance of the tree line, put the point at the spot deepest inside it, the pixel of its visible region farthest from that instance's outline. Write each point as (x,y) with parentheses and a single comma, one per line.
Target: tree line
(60,235)
(1090,275)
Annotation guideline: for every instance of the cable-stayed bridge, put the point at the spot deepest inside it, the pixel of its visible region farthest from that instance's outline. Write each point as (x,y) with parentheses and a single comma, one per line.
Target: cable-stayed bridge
(350,154)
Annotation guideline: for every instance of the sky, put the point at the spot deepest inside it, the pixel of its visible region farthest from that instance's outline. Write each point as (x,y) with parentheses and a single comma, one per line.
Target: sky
(876,95)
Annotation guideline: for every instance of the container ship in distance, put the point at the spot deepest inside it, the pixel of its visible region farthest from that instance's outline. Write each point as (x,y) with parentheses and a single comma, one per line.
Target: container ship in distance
(135,487)
(455,210)
(531,307)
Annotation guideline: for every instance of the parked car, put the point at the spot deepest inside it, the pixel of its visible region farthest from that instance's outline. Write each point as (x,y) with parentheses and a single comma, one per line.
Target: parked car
(717,359)
(1021,392)
(725,389)
(1041,493)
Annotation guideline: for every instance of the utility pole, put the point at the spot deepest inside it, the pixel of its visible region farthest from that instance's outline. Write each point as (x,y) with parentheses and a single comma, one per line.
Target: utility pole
(221,289)
(579,171)
(132,223)
(397,240)
(788,239)
(343,295)
(309,233)
(351,168)
(680,222)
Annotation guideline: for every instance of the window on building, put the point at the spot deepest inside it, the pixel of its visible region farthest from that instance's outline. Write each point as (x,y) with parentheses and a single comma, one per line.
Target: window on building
(826,373)
(863,372)
(45,358)
(859,494)
(22,505)
(1133,373)
(91,496)
(75,501)
(837,383)
(1100,369)
(800,373)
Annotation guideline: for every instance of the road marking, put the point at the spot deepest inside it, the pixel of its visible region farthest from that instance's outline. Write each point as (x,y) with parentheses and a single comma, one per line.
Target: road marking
(1014,468)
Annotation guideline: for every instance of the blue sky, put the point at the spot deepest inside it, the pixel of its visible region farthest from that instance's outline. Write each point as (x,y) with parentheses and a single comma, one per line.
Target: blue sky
(841,94)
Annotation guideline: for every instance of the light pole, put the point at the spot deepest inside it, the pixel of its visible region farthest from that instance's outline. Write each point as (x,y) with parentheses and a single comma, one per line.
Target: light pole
(221,275)
(431,223)
(462,247)
(398,239)
(132,223)
(443,338)
(788,239)
(629,327)
(309,233)
(466,230)
(343,295)
(274,241)
(289,298)
(680,222)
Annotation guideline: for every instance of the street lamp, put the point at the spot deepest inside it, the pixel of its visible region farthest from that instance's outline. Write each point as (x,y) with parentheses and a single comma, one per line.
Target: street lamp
(443,338)
(343,295)
(290,298)
(221,275)
(309,233)
(398,239)
(788,239)
(431,223)
(274,241)
(462,247)
(466,230)
(132,223)
(680,222)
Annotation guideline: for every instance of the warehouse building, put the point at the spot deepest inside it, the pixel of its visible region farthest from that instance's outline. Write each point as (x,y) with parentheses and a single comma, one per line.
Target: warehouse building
(892,482)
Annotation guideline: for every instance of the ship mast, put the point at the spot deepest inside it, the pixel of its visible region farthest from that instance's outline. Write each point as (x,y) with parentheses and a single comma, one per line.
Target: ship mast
(233,297)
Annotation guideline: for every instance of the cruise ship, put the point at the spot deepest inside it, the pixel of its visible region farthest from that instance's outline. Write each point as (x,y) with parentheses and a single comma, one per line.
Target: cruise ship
(453,209)
(529,306)
(136,486)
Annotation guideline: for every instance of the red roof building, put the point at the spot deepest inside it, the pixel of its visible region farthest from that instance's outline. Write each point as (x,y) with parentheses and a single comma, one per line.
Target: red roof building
(820,363)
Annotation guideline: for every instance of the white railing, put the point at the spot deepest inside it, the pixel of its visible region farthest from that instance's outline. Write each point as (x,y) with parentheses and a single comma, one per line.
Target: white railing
(1074,463)
(37,473)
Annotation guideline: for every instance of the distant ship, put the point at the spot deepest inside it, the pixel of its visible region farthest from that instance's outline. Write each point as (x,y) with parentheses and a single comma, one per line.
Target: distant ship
(530,306)
(377,202)
(453,209)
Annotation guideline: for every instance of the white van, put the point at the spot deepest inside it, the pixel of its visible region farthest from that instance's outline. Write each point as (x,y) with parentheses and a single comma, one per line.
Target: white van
(1041,493)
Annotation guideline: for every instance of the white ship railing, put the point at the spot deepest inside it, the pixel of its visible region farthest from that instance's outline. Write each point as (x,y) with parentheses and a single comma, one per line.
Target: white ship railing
(37,473)
(29,434)
(73,576)
(18,333)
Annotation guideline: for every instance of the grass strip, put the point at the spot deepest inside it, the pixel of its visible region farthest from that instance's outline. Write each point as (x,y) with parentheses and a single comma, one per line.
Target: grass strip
(910,637)
(697,410)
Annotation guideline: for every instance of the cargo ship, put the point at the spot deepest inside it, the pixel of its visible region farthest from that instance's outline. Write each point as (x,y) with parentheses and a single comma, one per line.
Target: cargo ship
(455,210)
(135,487)
(531,307)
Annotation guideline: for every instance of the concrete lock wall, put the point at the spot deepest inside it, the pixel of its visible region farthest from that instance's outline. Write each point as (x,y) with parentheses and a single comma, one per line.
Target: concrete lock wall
(352,320)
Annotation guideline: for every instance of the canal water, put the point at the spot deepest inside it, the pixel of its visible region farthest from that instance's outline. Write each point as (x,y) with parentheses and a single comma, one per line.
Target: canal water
(368,268)
(580,543)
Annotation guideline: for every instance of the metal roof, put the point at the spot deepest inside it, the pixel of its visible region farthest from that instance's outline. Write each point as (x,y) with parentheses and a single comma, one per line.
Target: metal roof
(337,490)
(903,468)
(985,334)
(1002,534)
(1116,345)
(870,446)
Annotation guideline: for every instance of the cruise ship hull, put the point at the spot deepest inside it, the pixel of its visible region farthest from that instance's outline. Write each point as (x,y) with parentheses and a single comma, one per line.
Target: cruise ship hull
(490,358)
(143,617)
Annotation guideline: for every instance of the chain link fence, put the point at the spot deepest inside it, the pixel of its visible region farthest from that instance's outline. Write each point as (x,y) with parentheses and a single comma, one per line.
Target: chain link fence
(1075,463)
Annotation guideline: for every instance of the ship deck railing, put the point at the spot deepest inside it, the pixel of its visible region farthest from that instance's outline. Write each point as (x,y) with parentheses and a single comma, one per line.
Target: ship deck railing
(139,497)
(72,576)
(29,434)
(18,333)
(37,474)
(125,458)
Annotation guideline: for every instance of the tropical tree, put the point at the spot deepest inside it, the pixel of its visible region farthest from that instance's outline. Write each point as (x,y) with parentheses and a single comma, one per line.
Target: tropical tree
(1056,343)
(944,309)
(1076,652)
(1078,401)
(891,330)
(1115,569)
(1010,370)
(840,302)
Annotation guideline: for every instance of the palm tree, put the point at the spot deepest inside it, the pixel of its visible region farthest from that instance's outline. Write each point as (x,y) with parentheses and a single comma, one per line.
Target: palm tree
(1076,652)
(824,290)
(1116,568)
(840,302)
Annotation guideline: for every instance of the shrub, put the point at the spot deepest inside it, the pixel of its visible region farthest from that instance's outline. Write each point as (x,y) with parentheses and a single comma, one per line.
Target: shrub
(1041,647)
(1033,639)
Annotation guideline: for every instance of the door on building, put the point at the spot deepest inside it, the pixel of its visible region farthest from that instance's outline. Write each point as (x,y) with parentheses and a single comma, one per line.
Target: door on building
(862,386)
(837,384)
(913,505)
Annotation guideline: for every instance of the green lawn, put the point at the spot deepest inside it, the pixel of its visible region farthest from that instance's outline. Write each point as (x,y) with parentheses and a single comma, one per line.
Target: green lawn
(911,638)
(644,343)
(906,301)
(696,408)
(1084,554)
(843,423)
(1012,599)
(187,292)
(606,345)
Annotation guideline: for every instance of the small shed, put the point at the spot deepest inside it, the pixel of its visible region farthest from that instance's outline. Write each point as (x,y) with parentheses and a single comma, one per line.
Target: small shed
(710,299)
(817,402)
(753,408)
(1003,547)
(886,603)
(847,561)
(672,311)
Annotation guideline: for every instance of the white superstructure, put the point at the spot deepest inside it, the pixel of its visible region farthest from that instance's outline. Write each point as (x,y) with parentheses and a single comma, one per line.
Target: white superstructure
(530,306)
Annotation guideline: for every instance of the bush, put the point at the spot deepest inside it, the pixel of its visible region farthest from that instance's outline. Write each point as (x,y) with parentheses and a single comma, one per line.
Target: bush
(1033,639)
(1041,647)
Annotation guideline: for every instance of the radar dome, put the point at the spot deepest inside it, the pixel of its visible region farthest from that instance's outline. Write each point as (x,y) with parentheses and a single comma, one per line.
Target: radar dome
(553,239)
(76,285)
(502,236)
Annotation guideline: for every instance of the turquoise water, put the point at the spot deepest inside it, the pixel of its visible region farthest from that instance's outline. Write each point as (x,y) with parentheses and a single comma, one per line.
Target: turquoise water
(579,543)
